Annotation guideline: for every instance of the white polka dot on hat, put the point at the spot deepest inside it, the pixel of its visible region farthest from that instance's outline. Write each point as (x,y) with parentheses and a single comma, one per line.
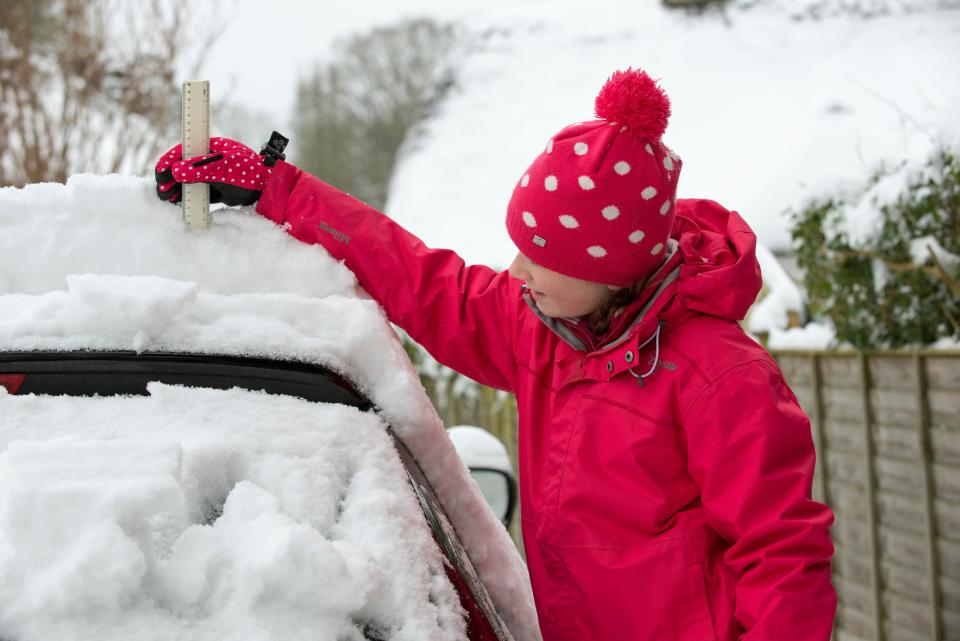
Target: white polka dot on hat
(597,203)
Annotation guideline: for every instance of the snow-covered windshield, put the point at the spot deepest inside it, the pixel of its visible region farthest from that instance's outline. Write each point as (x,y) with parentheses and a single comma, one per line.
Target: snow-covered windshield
(211,514)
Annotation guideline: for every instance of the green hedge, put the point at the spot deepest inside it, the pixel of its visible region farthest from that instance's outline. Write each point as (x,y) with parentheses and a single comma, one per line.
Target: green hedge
(876,291)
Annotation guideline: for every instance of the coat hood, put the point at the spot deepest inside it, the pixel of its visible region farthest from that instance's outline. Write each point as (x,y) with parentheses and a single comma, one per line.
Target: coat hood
(719,272)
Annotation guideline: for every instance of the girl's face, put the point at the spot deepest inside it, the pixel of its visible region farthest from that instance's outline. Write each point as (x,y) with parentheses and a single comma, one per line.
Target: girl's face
(556,295)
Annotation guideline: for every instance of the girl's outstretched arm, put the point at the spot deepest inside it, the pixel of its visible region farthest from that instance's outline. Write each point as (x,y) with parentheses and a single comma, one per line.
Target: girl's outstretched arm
(751,454)
(463,315)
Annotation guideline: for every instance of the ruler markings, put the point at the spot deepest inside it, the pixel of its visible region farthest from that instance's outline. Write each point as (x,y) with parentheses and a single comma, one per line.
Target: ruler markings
(195,112)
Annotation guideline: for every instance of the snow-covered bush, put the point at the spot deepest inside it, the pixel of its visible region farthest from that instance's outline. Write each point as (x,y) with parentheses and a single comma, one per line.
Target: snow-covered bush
(883,263)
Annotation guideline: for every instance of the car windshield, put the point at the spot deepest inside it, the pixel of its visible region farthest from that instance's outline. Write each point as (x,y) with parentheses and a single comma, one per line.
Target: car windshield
(201,514)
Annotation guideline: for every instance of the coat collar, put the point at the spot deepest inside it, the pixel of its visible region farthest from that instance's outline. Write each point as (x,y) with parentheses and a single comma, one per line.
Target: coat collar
(711,269)
(654,297)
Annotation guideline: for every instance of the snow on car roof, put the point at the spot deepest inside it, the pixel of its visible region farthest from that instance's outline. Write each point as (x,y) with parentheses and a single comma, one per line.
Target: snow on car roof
(101,263)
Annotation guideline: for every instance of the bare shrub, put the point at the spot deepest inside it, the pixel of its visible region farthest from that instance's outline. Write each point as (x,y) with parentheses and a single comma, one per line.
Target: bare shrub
(354,113)
(89,85)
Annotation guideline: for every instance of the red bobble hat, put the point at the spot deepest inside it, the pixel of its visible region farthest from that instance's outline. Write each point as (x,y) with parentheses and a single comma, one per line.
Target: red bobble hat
(598,204)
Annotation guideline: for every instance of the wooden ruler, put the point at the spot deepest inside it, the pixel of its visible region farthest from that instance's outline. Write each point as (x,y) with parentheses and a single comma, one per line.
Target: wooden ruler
(195,114)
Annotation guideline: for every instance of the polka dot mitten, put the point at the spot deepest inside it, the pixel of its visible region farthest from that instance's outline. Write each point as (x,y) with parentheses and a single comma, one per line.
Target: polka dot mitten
(236,173)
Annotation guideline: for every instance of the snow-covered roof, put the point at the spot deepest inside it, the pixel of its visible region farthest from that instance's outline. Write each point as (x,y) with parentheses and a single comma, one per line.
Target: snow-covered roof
(101,263)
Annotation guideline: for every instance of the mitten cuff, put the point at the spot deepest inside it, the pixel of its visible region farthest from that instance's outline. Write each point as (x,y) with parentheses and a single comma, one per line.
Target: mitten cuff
(273,201)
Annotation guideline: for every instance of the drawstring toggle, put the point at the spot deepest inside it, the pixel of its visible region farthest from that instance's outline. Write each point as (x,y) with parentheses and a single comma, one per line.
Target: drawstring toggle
(656,355)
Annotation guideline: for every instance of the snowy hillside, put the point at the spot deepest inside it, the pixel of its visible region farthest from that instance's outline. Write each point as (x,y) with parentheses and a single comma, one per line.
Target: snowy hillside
(774,101)
(768,110)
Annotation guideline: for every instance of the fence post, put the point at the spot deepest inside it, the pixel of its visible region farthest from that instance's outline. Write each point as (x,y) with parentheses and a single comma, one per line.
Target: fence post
(870,489)
(926,460)
(820,470)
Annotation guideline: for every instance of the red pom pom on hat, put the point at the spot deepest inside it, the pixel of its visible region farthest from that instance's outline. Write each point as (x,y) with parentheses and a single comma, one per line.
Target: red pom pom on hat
(633,98)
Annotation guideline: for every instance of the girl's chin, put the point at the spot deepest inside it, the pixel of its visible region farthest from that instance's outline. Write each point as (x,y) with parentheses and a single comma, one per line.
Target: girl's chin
(547,309)
(543,306)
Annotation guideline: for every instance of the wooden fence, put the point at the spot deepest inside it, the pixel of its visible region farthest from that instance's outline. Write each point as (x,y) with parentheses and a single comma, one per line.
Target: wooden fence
(887,431)
(886,426)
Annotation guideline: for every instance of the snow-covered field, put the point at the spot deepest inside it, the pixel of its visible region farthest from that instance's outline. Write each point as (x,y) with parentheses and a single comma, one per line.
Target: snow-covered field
(105,504)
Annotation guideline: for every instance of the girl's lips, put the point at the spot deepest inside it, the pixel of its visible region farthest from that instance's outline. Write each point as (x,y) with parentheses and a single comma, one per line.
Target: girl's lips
(532,291)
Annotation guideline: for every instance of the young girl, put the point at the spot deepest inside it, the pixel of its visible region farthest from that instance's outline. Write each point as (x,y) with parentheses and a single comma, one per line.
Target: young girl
(665,466)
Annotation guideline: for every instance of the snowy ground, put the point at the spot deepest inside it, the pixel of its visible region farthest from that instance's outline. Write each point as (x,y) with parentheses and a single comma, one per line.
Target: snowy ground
(102,501)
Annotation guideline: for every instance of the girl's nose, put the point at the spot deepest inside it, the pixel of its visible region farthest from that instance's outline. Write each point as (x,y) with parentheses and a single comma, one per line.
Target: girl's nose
(518,268)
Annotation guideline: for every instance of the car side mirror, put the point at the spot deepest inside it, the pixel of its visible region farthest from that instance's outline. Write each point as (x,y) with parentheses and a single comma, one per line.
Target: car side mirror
(490,467)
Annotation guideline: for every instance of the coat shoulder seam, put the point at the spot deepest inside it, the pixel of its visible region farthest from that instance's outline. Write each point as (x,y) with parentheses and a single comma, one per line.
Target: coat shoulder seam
(710,384)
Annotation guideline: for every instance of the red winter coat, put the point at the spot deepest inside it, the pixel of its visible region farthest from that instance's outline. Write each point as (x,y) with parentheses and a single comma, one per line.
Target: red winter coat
(673,509)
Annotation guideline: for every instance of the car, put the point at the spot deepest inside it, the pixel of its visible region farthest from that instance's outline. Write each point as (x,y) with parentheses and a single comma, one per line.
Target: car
(216,435)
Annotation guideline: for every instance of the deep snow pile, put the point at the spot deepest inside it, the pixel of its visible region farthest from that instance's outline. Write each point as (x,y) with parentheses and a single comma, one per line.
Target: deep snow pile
(173,516)
(101,263)
(116,225)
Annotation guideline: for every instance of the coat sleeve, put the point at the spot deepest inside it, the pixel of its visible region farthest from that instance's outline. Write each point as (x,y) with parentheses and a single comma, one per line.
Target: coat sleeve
(751,453)
(463,315)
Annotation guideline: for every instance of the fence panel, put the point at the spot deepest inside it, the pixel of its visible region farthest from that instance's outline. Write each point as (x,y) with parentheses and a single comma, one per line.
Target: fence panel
(887,431)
